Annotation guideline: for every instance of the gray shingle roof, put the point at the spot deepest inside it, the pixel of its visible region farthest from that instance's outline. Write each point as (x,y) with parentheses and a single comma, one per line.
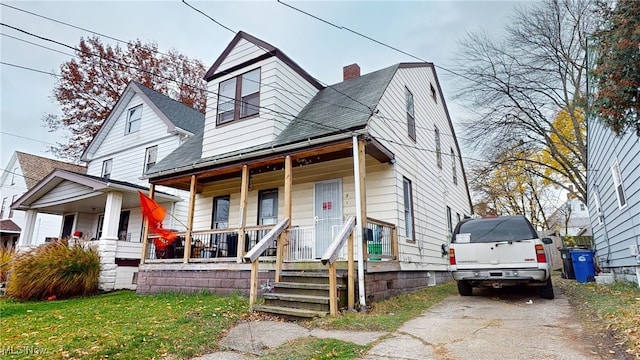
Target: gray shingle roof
(181,115)
(343,106)
(335,109)
(190,152)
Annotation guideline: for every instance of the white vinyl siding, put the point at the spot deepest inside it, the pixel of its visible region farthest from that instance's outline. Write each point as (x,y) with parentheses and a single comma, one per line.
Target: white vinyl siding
(282,94)
(430,189)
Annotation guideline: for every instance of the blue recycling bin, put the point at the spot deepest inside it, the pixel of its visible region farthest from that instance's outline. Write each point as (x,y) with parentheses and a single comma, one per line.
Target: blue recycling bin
(583,265)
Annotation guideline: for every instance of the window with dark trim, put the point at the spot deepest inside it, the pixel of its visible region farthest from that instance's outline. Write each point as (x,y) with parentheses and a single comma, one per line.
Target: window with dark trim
(438,148)
(134,118)
(220,216)
(434,95)
(123,226)
(454,169)
(150,157)
(268,207)
(239,97)
(106,168)
(411,119)
(408,209)
(100,226)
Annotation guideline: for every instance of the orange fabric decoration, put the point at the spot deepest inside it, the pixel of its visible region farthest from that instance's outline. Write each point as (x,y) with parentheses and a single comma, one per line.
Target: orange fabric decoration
(155,214)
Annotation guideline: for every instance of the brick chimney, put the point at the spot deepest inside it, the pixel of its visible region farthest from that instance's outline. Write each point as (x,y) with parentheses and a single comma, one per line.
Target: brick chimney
(350,72)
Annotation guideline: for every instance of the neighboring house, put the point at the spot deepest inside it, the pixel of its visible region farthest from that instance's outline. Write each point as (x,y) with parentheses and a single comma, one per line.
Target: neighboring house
(280,147)
(613,185)
(22,173)
(103,204)
(570,219)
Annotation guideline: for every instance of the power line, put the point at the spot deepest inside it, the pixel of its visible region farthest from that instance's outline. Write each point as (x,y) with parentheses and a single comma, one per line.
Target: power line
(375,40)
(28,68)
(32,43)
(79,28)
(326,85)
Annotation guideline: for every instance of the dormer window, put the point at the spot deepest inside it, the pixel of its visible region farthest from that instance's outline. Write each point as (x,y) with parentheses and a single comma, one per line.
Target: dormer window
(239,97)
(134,119)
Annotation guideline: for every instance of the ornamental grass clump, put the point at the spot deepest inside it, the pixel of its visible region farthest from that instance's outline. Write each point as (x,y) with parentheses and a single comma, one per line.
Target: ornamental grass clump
(5,262)
(54,270)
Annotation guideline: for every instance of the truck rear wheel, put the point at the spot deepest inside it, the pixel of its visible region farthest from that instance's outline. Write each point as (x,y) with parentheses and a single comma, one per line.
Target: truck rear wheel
(465,288)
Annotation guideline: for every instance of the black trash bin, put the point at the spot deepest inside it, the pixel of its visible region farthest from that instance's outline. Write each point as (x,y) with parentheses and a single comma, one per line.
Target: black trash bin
(567,264)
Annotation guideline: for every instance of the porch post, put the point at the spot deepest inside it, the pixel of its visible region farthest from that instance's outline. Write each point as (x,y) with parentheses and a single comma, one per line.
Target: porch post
(243,211)
(145,229)
(108,243)
(284,237)
(192,204)
(361,214)
(26,235)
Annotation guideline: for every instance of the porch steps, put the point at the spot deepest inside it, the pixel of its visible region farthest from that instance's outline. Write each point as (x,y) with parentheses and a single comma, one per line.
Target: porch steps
(298,313)
(302,294)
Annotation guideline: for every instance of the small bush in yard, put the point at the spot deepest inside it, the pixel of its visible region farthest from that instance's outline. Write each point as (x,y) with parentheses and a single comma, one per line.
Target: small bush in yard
(54,270)
(5,259)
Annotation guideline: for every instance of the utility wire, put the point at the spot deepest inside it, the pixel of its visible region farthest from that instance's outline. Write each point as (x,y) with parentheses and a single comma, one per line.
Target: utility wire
(28,68)
(323,84)
(376,41)
(78,27)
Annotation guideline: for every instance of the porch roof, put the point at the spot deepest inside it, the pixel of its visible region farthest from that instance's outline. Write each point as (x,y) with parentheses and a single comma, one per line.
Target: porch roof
(7,226)
(65,191)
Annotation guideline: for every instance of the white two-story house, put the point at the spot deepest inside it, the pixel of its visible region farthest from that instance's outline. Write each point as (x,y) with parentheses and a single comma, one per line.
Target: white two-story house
(102,206)
(280,147)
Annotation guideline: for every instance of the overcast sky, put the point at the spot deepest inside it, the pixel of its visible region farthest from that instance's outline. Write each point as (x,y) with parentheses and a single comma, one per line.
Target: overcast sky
(427,29)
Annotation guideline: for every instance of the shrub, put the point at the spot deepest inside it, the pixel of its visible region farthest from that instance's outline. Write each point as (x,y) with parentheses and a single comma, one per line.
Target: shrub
(5,262)
(54,269)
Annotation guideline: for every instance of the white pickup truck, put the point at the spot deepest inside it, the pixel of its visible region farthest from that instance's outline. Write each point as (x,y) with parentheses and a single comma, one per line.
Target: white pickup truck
(499,251)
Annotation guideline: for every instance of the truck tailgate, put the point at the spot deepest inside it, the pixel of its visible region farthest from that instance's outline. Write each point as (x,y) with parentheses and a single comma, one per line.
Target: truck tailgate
(516,254)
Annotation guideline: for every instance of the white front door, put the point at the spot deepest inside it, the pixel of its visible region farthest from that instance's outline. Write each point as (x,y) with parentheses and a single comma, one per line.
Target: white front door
(327,211)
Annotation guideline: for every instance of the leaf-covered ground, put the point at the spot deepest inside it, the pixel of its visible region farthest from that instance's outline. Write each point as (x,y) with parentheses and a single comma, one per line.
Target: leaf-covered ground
(119,325)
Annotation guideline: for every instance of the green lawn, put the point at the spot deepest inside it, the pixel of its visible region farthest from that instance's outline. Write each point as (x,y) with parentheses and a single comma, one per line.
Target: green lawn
(119,325)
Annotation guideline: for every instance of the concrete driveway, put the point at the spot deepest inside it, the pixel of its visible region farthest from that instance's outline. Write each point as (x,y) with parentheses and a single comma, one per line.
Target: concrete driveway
(493,324)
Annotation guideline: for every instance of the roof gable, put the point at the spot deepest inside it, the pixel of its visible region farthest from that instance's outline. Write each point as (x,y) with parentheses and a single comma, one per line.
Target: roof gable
(268,51)
(176,115)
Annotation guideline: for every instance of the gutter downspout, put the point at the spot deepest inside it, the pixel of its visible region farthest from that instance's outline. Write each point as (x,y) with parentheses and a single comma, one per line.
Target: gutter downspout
(359,225)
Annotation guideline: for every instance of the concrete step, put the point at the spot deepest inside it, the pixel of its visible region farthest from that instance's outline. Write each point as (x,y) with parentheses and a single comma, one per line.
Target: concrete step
(299,313)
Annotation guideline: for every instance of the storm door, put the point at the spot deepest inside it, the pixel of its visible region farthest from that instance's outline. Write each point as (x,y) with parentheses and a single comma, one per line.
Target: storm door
(327,211)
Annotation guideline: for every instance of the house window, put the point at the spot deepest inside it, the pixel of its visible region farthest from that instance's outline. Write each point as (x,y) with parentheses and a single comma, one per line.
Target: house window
(411,120)
(4,203)
(13,199)
(449,223)
(99,228)
(619,187)
(408,209)
(438,148)
(454,171)
(220,218)
(598,208)
(134,119)
(13,176)
(106,168)
(123,226)
(239,97)
(150,156)
(433,93)
(268,207)
(582,208)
